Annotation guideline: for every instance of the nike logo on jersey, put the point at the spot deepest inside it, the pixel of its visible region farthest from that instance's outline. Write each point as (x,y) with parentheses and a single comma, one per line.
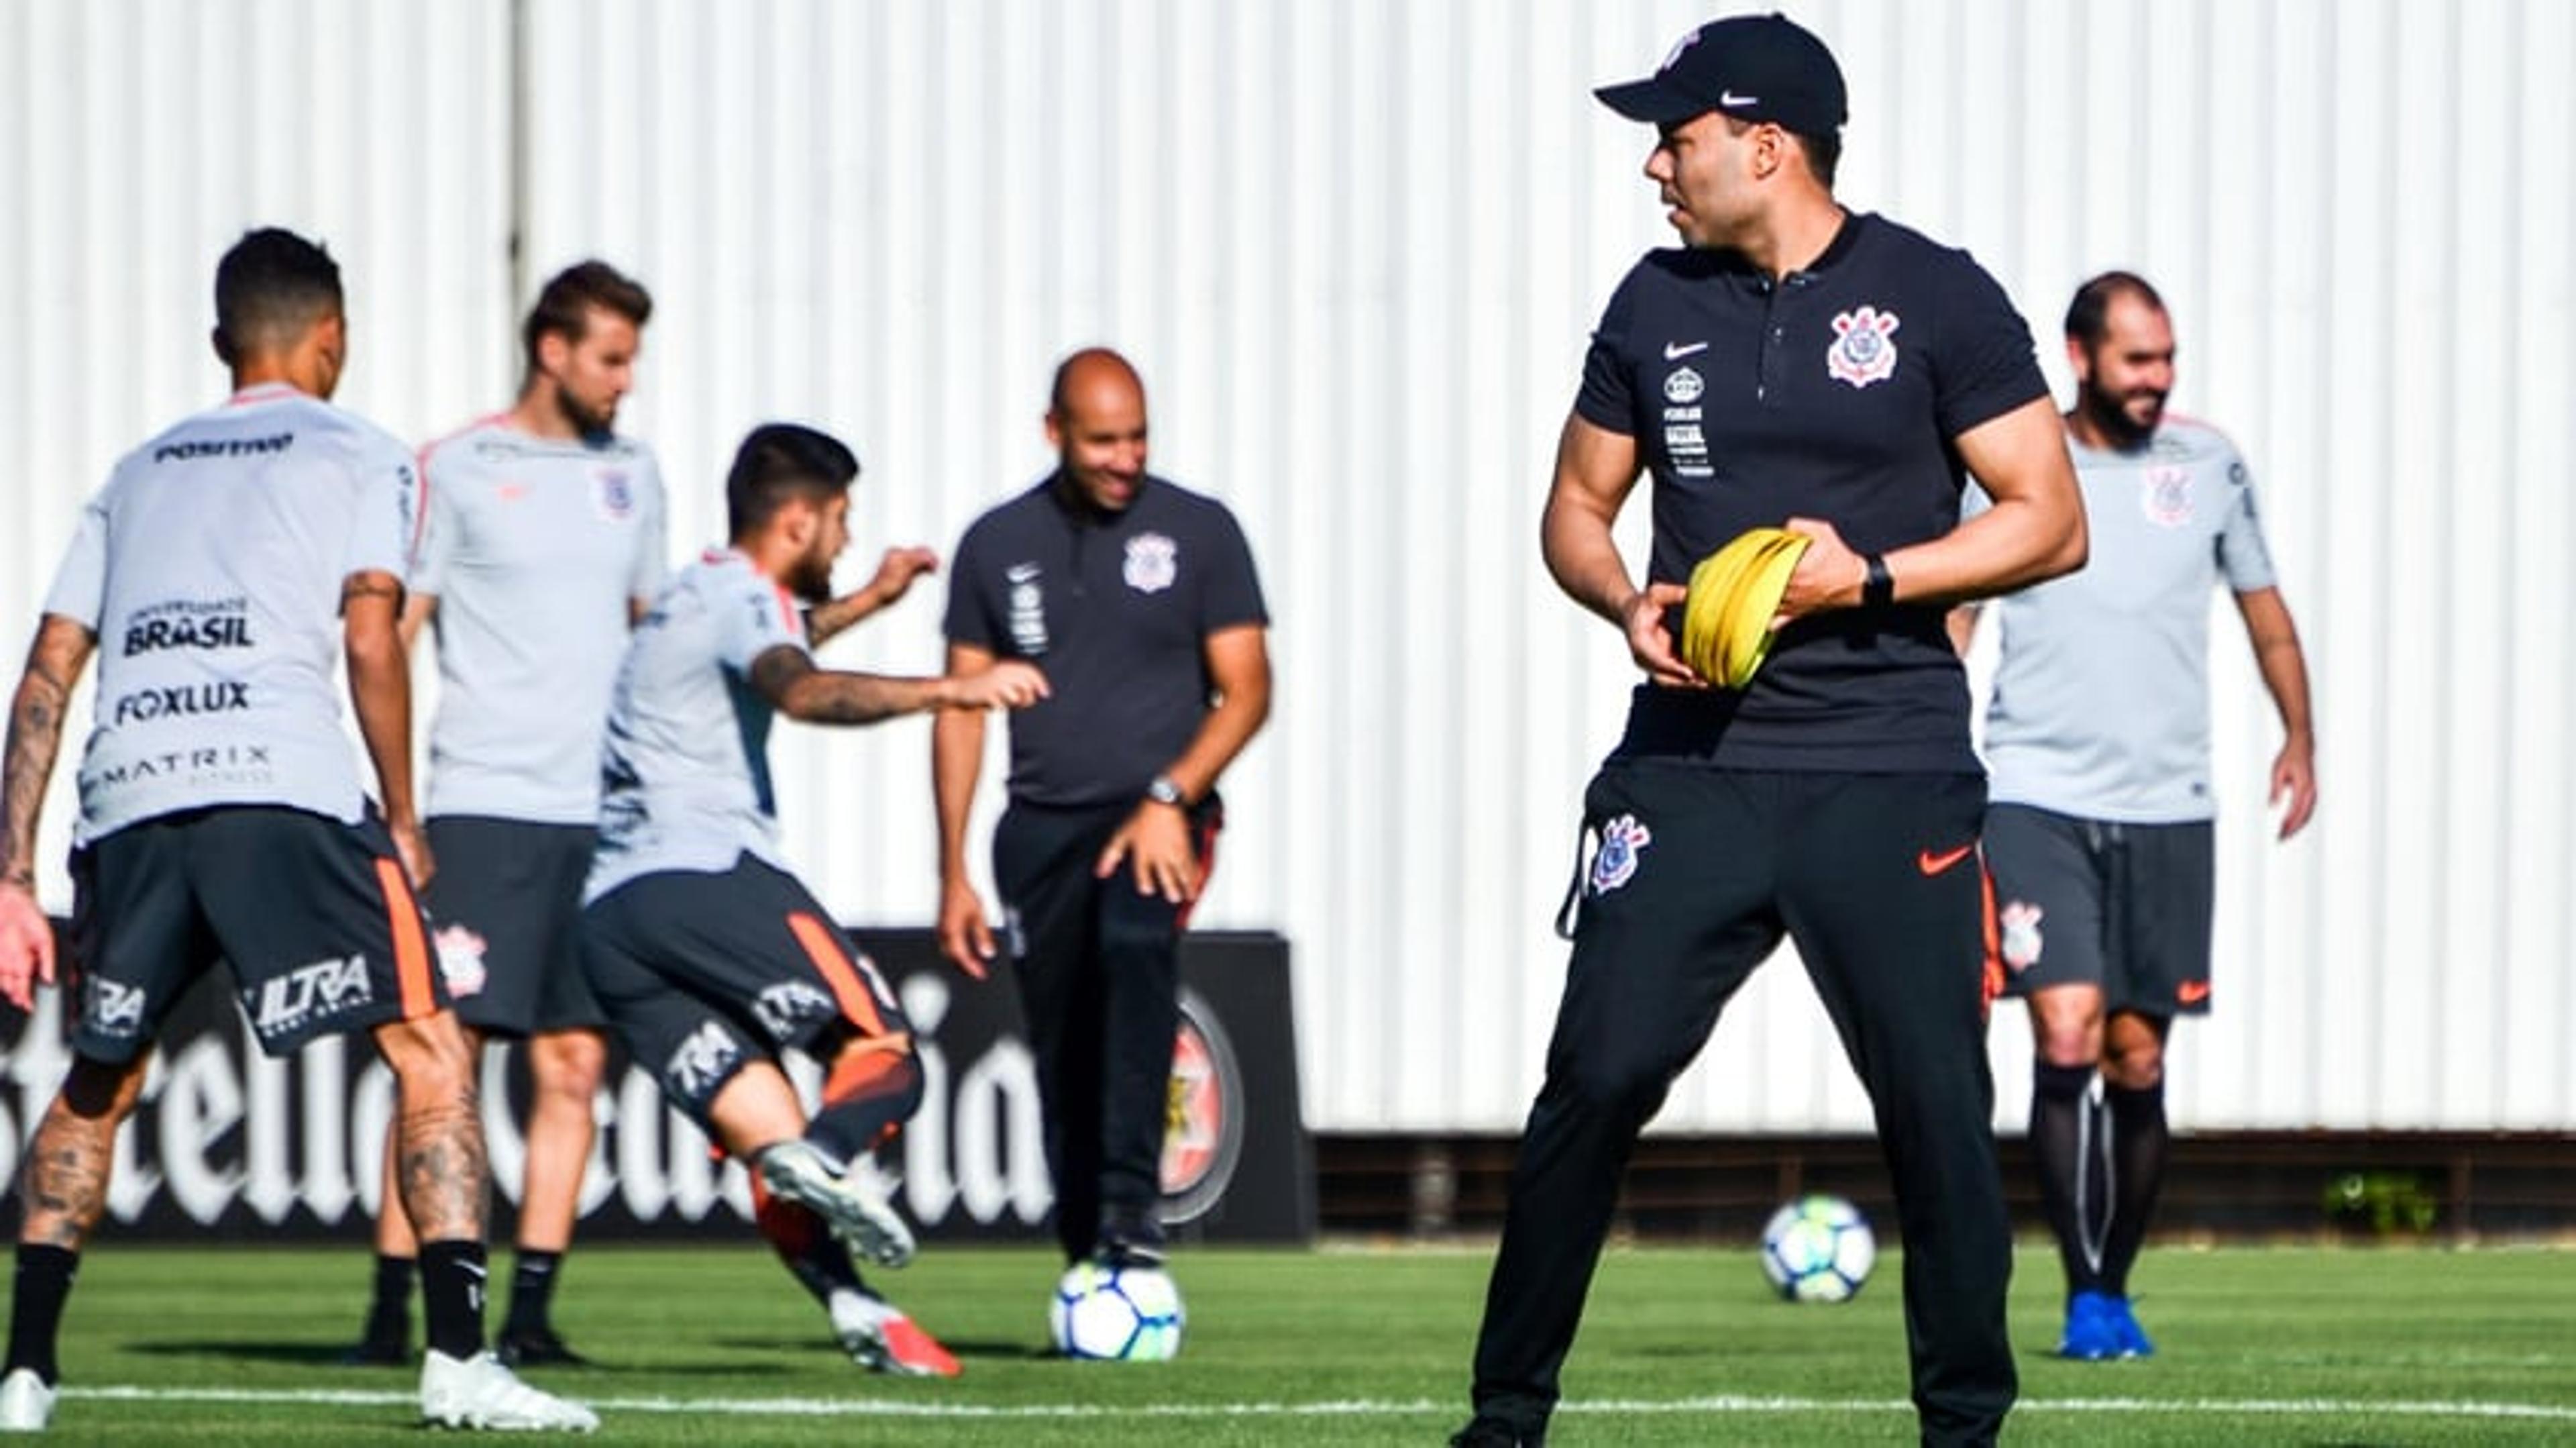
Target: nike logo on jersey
(2192,992)
(1932,864)
(1676,351)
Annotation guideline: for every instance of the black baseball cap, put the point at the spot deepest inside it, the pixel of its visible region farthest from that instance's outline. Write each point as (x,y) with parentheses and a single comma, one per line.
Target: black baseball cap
(1750,67)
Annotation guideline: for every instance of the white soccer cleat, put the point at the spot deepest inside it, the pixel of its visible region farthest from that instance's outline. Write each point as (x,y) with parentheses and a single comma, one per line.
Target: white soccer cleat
(878,1337)
(478,1392)
(26,1404)
(858,1212)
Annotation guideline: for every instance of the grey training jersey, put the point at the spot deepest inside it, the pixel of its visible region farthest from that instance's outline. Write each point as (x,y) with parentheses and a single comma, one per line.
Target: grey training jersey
(2101,700)
(210,569)
(533,549)
(687,760)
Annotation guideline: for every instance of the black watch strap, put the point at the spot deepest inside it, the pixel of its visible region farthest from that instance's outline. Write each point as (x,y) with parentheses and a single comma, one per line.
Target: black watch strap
(1878,588)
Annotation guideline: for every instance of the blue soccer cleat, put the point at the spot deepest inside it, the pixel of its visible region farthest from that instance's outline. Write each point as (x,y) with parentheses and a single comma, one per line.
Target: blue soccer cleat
(2131,1339)
(2092,1327)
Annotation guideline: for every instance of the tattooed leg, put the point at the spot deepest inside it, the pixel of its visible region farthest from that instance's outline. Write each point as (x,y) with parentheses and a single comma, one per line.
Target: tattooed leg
(438,1163)
(65,1186)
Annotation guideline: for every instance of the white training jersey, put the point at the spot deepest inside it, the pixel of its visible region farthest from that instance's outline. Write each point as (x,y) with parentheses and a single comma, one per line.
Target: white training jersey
(210,568)
(687,760)
(533,548)
(2101,693)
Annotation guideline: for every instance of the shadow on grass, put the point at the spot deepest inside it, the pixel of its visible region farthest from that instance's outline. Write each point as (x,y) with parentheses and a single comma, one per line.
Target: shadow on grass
(1016,1350)
(331,1356)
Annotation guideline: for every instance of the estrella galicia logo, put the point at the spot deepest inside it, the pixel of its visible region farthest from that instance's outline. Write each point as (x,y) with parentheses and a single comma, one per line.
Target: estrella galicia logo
(1203,1115)
(1623,840)
(1862,352)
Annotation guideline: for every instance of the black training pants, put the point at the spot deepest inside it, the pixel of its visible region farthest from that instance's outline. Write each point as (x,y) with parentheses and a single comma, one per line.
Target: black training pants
(1099,972)
(1699,874)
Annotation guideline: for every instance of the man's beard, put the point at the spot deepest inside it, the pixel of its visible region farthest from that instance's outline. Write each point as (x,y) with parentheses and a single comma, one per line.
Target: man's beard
(811,580)
(584,420)
(2110,413)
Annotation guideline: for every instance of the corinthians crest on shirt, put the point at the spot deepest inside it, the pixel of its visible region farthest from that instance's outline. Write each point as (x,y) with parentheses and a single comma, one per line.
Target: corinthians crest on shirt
(613,493)
(1623,843)
(1863,349)
(1153,561)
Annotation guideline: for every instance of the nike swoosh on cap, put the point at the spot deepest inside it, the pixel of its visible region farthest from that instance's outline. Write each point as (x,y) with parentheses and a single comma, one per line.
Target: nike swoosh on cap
(1730,98)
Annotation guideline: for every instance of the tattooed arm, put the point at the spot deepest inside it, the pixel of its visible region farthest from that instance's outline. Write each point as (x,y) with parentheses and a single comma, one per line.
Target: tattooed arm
(54,664)
(787,678)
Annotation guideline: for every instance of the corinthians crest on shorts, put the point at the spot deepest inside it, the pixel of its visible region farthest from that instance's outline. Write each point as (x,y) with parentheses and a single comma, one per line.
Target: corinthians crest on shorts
(1862,352)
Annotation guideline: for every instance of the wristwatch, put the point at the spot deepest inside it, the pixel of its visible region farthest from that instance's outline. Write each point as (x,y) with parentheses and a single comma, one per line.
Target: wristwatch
(1167,790)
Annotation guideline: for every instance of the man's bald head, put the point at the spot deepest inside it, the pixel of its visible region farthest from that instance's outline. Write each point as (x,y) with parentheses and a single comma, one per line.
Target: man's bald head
(1094,375)
(1096,419)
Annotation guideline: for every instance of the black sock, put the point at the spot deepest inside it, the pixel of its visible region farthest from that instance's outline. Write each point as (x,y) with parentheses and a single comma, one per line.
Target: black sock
(2138,1142)
(389,1310)
(532,1292)
(452,1280)
(2065,1145)
(36,1307)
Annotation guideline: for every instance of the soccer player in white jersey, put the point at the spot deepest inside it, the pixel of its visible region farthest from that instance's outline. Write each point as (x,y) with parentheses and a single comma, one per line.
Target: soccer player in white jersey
(223,573)
(707,954)
(545,539)
(2099,830)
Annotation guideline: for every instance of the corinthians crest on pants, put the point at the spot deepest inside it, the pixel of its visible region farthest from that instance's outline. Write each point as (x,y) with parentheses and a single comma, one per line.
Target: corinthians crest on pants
(1862,352)
(1623,839)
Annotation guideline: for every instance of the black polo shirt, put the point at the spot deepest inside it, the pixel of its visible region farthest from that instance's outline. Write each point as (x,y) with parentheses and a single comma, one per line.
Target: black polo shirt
(1116,607)
(1833,393)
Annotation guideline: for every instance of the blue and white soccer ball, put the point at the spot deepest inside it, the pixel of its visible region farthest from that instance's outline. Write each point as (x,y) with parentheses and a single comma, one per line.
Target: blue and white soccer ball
(1128,1314)
(1817,1249)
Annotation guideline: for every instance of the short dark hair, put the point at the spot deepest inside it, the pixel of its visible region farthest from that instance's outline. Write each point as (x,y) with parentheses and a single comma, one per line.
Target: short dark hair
(563,308)
(269,288)
(779,462)
(1824,152)
(2088,316)
(1824,149)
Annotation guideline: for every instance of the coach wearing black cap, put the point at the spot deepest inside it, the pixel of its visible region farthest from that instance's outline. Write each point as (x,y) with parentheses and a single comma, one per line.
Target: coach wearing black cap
(1791,365)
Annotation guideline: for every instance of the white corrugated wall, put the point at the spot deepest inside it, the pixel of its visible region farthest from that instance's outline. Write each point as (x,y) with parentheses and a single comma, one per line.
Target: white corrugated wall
(1355,247)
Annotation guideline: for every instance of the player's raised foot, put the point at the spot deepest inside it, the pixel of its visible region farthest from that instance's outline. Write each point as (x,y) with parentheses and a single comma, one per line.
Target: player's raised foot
(26,1402)
(879,1337)
(2130,1339)
(1484,1432)
(2092,1328)
(858,1212)
(540,1347)
(480,1392)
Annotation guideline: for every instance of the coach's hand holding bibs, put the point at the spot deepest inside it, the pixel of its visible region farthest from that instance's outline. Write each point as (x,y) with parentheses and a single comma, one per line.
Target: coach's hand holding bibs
(1734,592)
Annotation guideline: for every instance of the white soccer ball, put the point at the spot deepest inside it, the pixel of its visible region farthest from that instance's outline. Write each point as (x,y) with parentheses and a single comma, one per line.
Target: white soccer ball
(1127,1314)
(1817,1249)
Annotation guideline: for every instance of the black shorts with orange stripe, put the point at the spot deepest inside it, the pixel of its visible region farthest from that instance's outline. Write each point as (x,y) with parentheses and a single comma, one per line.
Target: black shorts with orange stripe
(704,973)
(313,916)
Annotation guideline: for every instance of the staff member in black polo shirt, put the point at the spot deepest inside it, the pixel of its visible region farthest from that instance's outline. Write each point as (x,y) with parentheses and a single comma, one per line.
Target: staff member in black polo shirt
(1792,364)
(1138,599)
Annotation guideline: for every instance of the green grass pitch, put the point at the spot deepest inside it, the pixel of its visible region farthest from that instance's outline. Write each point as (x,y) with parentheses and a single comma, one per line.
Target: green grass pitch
(1350,1346)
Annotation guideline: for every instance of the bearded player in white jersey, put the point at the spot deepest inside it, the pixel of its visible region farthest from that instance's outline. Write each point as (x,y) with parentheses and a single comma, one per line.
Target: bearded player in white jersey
(223,575)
